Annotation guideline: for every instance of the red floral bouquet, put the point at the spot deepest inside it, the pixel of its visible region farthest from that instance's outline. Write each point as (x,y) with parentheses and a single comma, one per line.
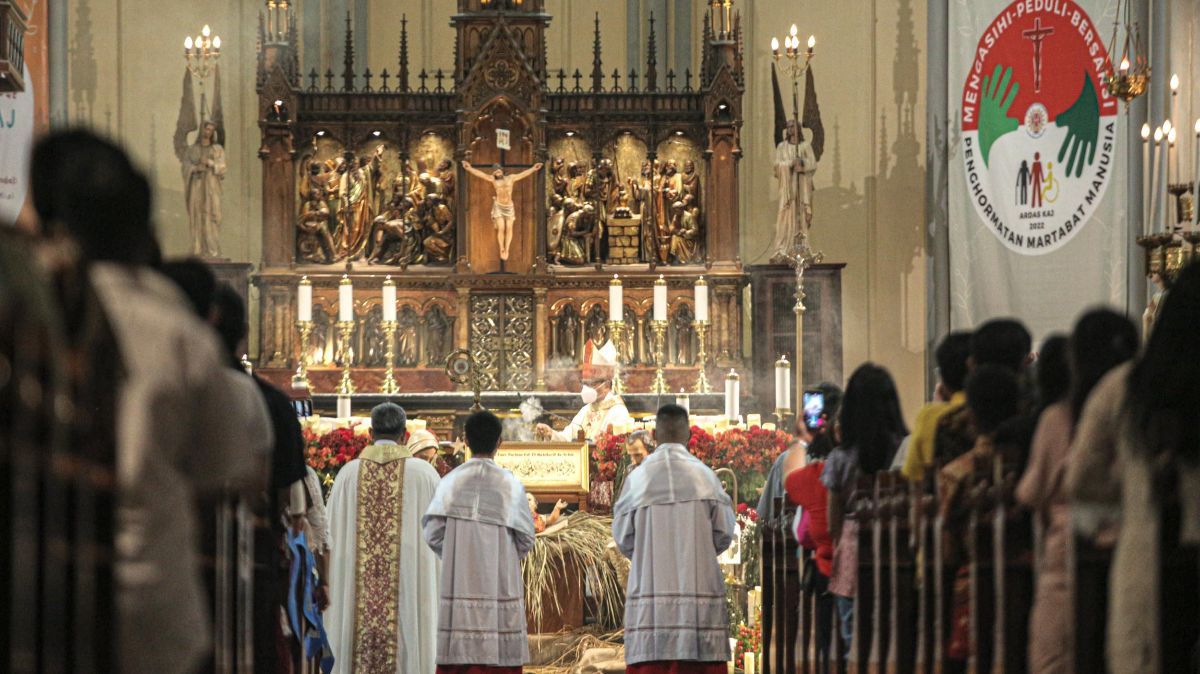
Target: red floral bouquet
(328,452)
(606,456)
(749,640)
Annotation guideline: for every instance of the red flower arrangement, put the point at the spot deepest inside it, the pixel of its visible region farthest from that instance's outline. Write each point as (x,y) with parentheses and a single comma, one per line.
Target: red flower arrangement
(749,640)
(606,456)
(328,452)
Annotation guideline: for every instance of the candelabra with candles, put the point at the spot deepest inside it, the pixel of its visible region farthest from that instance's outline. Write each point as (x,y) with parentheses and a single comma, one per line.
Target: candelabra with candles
(800,255)
(659,326)
(304,323)
(388,324)
(345,327)
(701,327)
(1130,79)
(201,54)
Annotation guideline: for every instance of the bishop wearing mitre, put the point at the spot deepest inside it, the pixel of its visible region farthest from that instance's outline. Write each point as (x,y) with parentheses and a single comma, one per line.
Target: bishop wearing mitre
(602,408)
(382,614)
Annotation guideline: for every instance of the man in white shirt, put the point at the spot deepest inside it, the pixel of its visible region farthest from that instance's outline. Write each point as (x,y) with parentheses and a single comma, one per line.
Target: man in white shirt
(480,525)
(672,520)
(382,614)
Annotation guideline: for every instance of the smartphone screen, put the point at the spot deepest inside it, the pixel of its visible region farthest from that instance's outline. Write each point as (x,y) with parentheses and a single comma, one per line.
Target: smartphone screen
(814,407)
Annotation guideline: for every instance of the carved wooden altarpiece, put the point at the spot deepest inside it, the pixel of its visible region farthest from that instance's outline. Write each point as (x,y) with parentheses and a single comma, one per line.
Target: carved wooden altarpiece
(362,175)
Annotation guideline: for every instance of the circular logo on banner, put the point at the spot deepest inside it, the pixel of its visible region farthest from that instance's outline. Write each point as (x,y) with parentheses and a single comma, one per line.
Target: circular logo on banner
(1039,129)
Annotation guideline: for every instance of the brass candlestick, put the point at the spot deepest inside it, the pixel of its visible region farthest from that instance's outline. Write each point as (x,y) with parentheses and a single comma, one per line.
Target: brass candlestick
(615,330)
(781,415)
(300,379)
(702,385)
(346,329)
(389,385)
(660,380)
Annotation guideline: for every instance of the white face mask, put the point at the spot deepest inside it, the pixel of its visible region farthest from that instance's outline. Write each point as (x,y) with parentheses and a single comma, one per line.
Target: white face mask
(588,394)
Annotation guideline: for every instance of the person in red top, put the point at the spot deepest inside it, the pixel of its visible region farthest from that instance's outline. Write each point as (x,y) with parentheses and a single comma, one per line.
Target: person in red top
(804,489)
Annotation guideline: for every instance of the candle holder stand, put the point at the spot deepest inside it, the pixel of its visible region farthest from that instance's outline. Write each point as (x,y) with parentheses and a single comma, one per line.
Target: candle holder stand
(659,385)
(615,332)
(702,384)
(346,385)
(300,379)
(389,385)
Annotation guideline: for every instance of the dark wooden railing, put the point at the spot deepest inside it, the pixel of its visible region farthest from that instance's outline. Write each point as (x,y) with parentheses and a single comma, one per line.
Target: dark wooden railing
(911,553)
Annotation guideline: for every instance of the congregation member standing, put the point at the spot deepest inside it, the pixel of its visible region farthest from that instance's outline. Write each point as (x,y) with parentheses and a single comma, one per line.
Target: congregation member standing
(383,580)
(672,521)
(187,425)
(480,525)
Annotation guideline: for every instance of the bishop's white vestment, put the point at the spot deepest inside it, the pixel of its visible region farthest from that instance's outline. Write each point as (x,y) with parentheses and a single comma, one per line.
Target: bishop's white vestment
(382,614)
(480,525)
(595,418)
(672,520)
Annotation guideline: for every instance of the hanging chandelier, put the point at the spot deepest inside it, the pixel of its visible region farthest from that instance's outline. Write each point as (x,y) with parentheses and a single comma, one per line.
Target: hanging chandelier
(1129,79)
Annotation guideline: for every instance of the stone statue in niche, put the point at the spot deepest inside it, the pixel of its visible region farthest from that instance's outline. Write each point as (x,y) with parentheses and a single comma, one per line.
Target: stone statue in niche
(315,242)
(319,345)
(629,337)
(568,334)
(503,210)
(668,190)
(691,184)
(682,327)
(596,329)
(372,346)
(795,165)
(203,164)
(437,337)
(407,354)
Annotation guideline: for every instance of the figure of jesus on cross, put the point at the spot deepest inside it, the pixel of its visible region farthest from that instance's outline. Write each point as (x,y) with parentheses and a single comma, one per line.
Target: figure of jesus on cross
(1036,35)
(503,212)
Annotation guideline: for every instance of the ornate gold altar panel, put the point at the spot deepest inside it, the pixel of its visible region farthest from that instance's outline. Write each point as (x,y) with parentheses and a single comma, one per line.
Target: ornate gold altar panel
(547,466)
(502,341)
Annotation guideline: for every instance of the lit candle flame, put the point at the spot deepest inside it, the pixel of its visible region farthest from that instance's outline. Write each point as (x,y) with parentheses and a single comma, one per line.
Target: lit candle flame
(217,42)
(206,31)
(812,42)
(187,43)
(1124,64)
(1167,126)
(1158,135)
(794,31)
(1146,131)
(1171,136)
(1174,83)
(774,44)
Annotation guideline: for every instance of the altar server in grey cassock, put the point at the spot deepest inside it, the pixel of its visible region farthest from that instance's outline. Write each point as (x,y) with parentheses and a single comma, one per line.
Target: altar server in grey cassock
(672,520)
(480,525)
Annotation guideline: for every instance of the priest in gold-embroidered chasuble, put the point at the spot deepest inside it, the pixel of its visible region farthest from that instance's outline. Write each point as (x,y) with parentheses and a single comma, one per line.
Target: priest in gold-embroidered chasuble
(382,617)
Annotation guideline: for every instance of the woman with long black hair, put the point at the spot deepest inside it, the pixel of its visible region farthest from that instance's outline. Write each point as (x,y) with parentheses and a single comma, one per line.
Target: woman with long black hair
(1136,459)
(870,428)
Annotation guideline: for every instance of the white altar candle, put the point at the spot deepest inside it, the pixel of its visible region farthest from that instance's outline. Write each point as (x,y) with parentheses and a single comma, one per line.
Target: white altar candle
(701,299)
(1196,181)
(345,300)
(732,654)
(783,384)
(1146,178)
(682,401)
(748,664)
(753,420)
(1155,179)
(1165,216)
(304,300)
(616,301)
(733,390)
(343,407)
(389,299)
(660,297)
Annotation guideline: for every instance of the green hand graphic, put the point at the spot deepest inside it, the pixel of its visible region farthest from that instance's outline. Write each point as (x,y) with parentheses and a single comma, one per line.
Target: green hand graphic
(993,110)
(1082,120)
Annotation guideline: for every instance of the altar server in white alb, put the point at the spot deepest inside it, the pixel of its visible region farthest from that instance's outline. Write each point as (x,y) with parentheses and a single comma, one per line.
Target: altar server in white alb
(382,615)
(672,520)
(602,408)
(480,525)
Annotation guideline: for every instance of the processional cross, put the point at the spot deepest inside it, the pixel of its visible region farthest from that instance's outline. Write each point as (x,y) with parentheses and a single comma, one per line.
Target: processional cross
(1036,35)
